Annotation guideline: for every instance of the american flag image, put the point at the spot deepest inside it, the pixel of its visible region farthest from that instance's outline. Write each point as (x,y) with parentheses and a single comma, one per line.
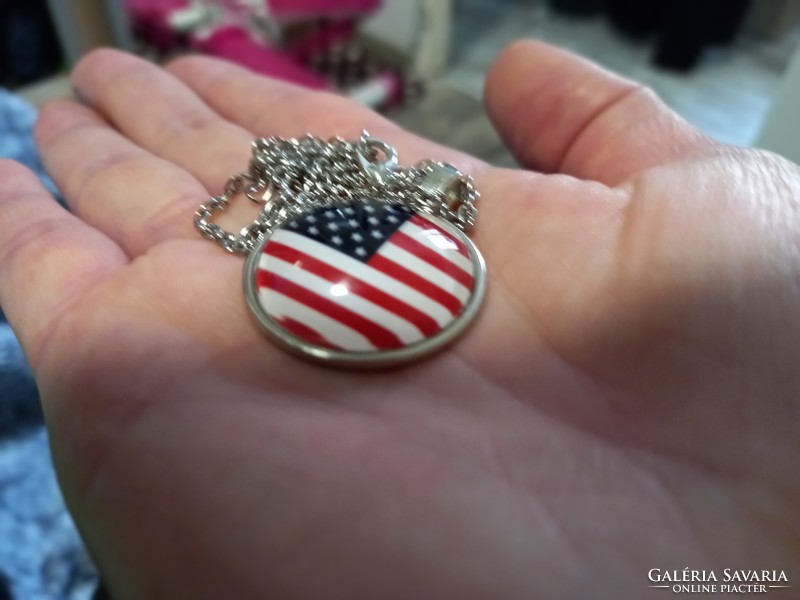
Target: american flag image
(363,276)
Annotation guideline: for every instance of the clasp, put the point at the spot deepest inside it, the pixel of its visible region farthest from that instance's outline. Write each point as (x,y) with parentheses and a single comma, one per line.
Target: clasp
(376,157)
(444,182)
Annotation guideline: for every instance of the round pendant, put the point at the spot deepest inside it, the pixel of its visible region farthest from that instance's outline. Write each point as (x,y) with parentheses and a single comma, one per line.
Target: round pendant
(364,283)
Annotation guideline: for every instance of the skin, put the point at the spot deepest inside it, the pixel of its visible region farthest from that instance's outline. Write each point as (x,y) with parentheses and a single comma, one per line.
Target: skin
(627,400)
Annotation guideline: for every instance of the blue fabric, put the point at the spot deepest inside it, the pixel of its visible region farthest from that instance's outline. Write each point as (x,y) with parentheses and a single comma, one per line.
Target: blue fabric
(16,134)
(16,140)
(41,554)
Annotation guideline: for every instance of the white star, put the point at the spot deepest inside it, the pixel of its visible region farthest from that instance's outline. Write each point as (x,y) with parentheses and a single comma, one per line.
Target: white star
(392,219)
(336,240)
(330,214)
(349,210)
(369,208)
(313,230)
(311,219)
(377,234)
(373,220)
(356,237)
(352,223)
(360,251)
(333,226)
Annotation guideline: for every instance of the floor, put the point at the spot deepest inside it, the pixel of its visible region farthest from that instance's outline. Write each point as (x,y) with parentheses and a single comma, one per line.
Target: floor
(454,118)
(727,96)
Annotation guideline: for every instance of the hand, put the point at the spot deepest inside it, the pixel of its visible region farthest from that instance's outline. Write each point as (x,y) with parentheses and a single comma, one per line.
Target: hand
(627,400)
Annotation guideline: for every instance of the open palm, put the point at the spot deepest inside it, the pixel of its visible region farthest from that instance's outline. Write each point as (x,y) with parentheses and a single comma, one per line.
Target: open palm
(627,400)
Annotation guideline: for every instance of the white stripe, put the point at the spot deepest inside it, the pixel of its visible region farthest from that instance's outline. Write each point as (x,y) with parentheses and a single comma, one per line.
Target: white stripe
(424,269)
(448,248)
(406,331)
(365,273)
(332,330)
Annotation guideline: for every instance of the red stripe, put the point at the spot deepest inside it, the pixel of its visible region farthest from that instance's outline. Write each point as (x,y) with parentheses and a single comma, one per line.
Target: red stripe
(306,333)
(426,324)
(433,258)
(422,285)
(424,223)
(379,336)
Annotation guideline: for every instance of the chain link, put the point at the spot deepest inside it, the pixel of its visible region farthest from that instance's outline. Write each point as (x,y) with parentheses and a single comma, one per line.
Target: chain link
(289,176)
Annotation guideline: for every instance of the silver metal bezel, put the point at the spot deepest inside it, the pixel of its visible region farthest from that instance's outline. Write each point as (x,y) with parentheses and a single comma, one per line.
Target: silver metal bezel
(378,358)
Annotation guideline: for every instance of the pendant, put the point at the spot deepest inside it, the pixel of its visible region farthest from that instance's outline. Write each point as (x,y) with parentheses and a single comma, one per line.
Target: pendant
(353,260)
(364,283)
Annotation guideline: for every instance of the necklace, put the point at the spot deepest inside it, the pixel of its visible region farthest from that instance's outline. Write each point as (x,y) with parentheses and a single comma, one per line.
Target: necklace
(353,260)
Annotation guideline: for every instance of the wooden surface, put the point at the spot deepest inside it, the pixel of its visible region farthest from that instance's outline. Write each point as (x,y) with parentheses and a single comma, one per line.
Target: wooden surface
(451,117)
(41,92)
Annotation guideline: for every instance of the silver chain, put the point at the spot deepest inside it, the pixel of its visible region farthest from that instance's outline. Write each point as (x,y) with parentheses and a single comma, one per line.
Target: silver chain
(291,176)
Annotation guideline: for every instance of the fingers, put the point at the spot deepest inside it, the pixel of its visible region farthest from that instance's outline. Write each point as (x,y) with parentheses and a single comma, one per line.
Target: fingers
(48,258)
(560,113)
(135,198)
(162,115)
(268,107)
(203,114)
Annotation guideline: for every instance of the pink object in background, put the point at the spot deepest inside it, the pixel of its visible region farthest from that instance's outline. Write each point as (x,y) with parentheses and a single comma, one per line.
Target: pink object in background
(235,44)
(151,19)
(321,9)
(225,33)
(383,89)
(320,40)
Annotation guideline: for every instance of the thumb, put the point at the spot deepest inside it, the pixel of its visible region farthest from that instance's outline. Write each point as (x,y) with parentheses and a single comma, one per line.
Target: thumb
(561,113)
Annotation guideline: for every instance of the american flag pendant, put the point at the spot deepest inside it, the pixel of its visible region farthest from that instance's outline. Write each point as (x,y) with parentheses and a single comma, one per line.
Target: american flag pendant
(364,283)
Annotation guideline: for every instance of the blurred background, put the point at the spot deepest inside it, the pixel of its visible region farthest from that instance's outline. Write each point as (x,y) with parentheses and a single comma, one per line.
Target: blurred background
(731,67)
